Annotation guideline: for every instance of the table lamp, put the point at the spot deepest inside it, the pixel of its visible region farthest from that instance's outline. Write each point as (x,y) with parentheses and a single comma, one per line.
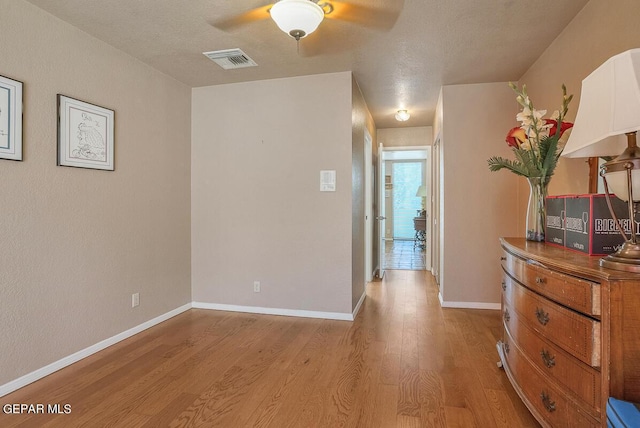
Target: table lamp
(422,194)
(606,124)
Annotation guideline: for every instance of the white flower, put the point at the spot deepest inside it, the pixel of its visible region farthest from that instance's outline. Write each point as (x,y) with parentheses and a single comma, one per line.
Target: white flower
(527,116)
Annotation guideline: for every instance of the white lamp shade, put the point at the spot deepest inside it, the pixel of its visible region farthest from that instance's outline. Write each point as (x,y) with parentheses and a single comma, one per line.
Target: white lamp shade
(297,15)
(609,107)
(422,191)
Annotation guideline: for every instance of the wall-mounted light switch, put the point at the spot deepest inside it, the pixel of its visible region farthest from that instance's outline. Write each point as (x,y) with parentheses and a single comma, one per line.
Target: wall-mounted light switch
(328,181)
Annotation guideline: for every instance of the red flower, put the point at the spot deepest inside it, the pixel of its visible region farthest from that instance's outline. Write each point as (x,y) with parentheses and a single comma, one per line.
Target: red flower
(563,127)
(515,137)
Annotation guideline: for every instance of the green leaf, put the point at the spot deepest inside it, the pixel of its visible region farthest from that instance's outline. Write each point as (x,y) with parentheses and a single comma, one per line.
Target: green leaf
(528,160)
(496,163)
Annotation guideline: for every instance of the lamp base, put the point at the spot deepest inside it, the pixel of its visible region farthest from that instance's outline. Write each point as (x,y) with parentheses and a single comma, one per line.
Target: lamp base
(626,258)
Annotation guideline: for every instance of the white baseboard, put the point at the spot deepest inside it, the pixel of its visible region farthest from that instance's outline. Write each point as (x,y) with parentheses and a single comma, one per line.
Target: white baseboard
(471,305)
(66,361)
(276,311)
(359,305)
(468,305)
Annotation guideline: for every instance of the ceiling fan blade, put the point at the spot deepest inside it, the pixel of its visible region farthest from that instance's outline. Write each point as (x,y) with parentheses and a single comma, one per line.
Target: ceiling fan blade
(367,16)
(252,15)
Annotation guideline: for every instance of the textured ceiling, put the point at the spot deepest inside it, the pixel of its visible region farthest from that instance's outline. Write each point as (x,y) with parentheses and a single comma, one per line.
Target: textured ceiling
(400,51)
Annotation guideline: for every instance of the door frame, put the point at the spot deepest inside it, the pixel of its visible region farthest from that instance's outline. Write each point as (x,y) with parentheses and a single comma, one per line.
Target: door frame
(368,207)
(383,155)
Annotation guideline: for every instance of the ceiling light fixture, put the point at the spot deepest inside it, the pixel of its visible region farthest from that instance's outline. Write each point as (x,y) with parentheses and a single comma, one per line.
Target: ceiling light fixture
(402,116)
(297,18)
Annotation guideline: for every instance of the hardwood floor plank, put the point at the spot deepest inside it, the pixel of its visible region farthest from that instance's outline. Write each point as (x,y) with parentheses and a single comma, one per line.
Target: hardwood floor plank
(294,388)
(460,417)
(168,413)
(404,361)
(432,412)
(285,363)
(390,370)
(505,413)
(385,413)
(405,421)
(225,394)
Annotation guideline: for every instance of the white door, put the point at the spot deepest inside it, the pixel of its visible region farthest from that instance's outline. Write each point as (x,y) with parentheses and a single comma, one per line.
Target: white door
(381,210)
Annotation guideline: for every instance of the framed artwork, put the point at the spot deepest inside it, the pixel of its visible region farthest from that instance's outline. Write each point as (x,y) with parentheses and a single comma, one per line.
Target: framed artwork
(85,134)
(10,119)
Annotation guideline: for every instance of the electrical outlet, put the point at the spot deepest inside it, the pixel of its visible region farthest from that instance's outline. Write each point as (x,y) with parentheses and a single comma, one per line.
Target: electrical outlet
(256,286)
(135,300)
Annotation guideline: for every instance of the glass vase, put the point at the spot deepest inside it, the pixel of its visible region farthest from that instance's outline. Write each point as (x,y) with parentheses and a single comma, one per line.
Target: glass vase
(536,213)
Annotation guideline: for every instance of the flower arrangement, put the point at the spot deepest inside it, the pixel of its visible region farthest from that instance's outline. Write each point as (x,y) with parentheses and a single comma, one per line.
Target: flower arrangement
(537,148)
(536,142)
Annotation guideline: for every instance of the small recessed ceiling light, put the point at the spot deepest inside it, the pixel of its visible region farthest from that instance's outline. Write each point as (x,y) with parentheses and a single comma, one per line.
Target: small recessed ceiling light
(402,115)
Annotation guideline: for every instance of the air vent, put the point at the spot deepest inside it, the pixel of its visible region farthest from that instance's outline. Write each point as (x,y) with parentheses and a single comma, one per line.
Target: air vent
(230,59)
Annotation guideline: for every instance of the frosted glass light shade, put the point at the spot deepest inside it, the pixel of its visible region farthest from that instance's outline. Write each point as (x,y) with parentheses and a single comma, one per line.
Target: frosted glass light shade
(617,182)
(402,116)
(298,18)
(609,107)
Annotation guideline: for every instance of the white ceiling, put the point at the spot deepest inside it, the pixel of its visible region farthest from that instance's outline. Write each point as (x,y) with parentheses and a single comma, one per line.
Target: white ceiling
(401,55)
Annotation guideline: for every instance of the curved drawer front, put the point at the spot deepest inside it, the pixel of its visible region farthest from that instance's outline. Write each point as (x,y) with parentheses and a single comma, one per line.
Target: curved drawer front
(578,294)
(568,372)
(577,334)
(541,396)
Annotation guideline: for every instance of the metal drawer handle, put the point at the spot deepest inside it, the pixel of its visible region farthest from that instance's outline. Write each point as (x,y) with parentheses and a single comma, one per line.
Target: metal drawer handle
(504,285)
(543,317)
(548,403)
(548,359)
(507,316)
(540,280)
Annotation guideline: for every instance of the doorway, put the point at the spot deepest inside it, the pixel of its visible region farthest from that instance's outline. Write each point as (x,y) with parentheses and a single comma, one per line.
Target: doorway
(405,240)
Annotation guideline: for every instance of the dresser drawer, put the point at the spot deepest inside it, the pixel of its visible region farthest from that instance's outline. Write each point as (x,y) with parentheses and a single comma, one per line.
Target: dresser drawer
(544,399)
(575,333)
(582,380)
(578,294)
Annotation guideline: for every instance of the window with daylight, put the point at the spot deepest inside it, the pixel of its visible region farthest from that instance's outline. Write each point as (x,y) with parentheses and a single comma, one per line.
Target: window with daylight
(407,177)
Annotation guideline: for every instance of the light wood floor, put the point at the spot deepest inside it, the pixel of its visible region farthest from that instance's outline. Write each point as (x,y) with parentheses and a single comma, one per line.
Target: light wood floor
(404,362)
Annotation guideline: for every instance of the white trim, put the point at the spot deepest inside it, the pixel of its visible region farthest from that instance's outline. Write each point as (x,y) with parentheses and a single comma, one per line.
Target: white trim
(274,311)
(403,148)
(468,305)
(73,358)
(358,305)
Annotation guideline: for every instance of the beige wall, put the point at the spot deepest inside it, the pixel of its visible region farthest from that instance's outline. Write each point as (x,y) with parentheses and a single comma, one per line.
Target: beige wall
(257,212)
(76,243)
(402,137)
(479,205)
(601,30)
(361,121)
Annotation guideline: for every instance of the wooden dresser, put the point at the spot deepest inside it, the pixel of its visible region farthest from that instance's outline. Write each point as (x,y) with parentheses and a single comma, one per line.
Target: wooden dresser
(571,333)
